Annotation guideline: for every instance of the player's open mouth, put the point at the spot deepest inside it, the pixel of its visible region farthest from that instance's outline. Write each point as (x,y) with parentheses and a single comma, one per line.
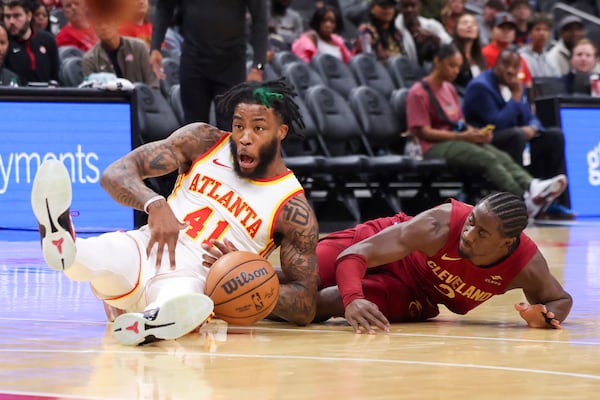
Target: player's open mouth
(246,161)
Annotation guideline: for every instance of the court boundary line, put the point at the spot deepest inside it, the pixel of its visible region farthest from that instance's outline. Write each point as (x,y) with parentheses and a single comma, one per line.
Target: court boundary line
(52,396)
(425,335)
(323,358)
(319,330)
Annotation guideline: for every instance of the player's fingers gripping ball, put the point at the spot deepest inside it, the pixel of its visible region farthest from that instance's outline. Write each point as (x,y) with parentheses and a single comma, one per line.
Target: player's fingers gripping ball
(244,287)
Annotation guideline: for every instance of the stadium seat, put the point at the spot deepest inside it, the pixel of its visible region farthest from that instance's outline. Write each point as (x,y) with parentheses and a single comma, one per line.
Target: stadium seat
(548,86)
(70,72)
(69,51)
(370,72)
(171,70)
(301,76)
(175,102)
(156,120)
(398,104)
(334,73)
(281,59)
(341,141)
(377,119)
(404,71)
(303,155)
(382,131)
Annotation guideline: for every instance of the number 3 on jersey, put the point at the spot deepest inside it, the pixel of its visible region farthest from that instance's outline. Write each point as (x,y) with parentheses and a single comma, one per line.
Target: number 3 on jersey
(198,223)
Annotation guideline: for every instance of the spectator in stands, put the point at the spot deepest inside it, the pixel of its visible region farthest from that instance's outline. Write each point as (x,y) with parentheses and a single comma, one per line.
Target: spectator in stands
(52,4)
(77,32)
(503,36)
(487,19)
(213,57)
(571,31)
(126,57)
(356,11)
(285,24)
(7,77)
(430,9)
(435,117)
(41,17)
(383,39)
(535,53)
(466,40)
(32,54)
(421,37)
(450,13)
(139,26)
(323,36)
(497,97)
(521,11)
(584,62)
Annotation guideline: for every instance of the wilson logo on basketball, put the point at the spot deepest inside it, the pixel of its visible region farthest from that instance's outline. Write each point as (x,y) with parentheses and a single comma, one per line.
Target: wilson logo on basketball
(243,278)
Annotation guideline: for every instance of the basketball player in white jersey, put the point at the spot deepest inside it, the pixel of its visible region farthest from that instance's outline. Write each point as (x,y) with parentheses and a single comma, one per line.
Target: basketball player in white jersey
(232,186)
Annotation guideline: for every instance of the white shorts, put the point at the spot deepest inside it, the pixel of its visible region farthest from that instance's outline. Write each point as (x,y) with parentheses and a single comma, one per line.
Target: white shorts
(131,245)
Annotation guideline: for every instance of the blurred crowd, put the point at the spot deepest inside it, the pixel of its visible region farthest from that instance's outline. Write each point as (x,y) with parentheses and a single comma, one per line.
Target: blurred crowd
(211,45)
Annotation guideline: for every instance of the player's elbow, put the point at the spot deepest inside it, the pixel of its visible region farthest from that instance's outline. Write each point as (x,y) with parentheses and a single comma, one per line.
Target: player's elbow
(106,179)
(304,318)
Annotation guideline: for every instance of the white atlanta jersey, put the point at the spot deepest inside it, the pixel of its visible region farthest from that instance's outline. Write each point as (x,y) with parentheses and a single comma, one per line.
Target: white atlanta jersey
(217,203)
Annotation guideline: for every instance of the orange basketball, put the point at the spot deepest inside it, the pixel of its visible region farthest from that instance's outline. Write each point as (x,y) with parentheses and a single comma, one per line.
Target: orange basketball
(243,286)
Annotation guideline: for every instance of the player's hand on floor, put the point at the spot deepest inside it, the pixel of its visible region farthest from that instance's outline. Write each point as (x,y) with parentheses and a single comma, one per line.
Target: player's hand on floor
(215,249)
(164,231)
(364,315)
(537,316)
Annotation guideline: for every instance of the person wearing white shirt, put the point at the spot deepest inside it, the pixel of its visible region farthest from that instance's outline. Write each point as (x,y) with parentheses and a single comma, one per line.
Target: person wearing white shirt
(535,53)
(571,31)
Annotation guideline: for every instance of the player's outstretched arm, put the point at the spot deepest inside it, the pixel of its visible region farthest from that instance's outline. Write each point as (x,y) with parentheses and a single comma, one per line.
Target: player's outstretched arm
(549,302)
(426,232)
(298,227)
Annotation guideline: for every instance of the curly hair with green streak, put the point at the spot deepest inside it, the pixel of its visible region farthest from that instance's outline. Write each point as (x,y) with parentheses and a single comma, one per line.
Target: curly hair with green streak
(277,95)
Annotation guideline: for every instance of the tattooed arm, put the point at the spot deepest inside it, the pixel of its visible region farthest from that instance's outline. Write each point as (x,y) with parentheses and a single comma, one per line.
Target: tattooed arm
(124,179)
(298,226)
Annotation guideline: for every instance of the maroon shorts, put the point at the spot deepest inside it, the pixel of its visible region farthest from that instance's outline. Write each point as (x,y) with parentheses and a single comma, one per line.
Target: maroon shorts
(390,287)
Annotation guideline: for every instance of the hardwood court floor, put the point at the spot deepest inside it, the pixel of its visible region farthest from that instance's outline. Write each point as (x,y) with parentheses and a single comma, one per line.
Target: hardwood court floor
(55,344)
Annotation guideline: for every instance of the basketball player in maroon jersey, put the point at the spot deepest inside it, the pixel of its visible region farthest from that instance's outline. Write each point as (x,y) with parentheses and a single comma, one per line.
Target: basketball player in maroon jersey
(399,268)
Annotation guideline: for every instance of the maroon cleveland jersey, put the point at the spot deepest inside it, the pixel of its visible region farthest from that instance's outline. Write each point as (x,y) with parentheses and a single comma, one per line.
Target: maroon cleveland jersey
(458,283)
(411,288)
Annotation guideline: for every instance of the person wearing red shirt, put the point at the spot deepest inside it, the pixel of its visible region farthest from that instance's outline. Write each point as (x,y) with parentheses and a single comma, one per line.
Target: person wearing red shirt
(78,32)
(503,35)
(139,26)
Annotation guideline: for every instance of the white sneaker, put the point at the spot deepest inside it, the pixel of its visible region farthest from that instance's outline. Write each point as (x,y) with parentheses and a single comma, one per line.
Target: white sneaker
(50,200)
(542,193)
(175,318)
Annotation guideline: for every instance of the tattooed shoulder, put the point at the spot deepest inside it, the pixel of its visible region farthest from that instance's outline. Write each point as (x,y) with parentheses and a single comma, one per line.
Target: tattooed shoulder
(196,138)
(298,225)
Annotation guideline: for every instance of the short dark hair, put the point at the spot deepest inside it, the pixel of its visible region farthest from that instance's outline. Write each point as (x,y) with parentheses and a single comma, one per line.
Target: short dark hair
(540,18)
(510,50)
(510,209)
(497,5)
(26,4)
(272,94)
(515,3)
(446,50)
